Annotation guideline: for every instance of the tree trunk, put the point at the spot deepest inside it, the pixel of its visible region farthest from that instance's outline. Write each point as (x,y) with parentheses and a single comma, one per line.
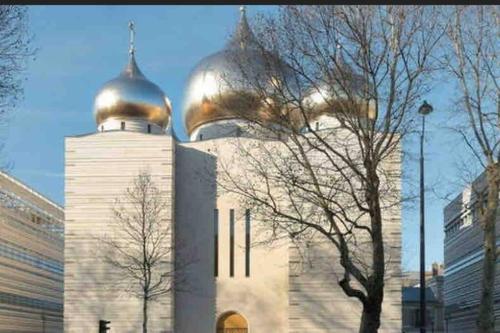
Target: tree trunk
(145,315)
(372,307)
(486,319)
(370,319)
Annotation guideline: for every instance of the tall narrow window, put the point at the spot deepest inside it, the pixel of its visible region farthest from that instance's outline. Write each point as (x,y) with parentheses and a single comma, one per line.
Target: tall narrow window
(231,242)
(149,128)
(216,242)
(247,242)
(317,126)
(123,125)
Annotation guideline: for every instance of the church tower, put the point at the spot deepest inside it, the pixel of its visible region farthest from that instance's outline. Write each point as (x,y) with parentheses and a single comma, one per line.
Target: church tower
(234,286)
(133,124)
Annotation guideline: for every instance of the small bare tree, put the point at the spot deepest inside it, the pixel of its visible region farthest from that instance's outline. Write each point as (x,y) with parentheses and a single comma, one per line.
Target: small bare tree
(140,247)
(365,66)
(472,59)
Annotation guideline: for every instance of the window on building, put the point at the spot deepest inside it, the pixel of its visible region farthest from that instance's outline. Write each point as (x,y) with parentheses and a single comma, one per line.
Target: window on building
(123,125)
(20,300)
(149,128)
(21,255)
(247,242)
(317,126)
(231,242)
(216,242)
(474,214)
(102,128)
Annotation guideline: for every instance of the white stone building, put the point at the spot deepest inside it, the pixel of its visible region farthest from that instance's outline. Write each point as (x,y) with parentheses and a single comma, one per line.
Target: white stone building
(232,286)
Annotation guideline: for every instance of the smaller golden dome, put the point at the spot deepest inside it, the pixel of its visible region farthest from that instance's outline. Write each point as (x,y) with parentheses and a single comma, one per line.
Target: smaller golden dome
(132,95)
(346,96)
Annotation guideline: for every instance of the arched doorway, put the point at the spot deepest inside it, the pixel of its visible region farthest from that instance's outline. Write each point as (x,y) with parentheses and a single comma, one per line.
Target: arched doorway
(232,322)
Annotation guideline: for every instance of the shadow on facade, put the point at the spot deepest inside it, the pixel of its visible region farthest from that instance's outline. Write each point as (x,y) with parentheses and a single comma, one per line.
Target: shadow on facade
(195,201)
(318,303)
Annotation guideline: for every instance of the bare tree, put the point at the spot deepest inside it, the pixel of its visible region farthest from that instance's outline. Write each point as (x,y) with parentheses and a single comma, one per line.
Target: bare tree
(472,59)
(14,49)
(140,247)
(367,68)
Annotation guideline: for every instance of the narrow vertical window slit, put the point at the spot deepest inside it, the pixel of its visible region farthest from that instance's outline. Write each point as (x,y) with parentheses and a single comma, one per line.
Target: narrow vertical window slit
(247,243)
(231,242)
(216,242)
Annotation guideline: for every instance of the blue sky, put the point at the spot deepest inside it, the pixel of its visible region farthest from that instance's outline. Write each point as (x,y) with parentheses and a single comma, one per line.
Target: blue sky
(81,47)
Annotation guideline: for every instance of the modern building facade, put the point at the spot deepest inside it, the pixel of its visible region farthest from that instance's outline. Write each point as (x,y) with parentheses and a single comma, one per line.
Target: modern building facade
(463,257)
(231,284)
(31,259)
(434,300)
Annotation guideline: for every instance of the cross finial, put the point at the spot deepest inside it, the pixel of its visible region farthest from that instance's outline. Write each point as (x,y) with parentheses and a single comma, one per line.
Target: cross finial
(131,29)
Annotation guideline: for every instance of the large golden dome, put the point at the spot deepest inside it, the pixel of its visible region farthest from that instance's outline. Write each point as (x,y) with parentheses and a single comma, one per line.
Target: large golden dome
(217,89)
(132,96)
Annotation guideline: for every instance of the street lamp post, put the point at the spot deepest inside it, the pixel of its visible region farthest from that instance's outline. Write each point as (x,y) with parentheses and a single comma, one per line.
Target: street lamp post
(424,110)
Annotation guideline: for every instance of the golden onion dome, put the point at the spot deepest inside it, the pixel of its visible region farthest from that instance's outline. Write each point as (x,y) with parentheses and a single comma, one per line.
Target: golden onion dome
(217,87)
(132,96)
(344,95)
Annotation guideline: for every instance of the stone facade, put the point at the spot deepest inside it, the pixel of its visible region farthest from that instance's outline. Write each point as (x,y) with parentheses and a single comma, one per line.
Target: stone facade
(99,167)
(268,292)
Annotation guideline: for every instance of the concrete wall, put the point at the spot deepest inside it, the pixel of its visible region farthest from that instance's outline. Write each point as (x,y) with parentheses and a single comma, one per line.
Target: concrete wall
(99,168)
(317,302)
(261,298)
(195,203)
(277,297)
(274,298)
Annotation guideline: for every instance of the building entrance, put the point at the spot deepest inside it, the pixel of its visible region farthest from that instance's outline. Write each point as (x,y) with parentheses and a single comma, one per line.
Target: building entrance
(232,322)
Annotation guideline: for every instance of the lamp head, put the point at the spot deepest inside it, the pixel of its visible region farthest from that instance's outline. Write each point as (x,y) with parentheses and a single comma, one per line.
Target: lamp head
(425,108)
